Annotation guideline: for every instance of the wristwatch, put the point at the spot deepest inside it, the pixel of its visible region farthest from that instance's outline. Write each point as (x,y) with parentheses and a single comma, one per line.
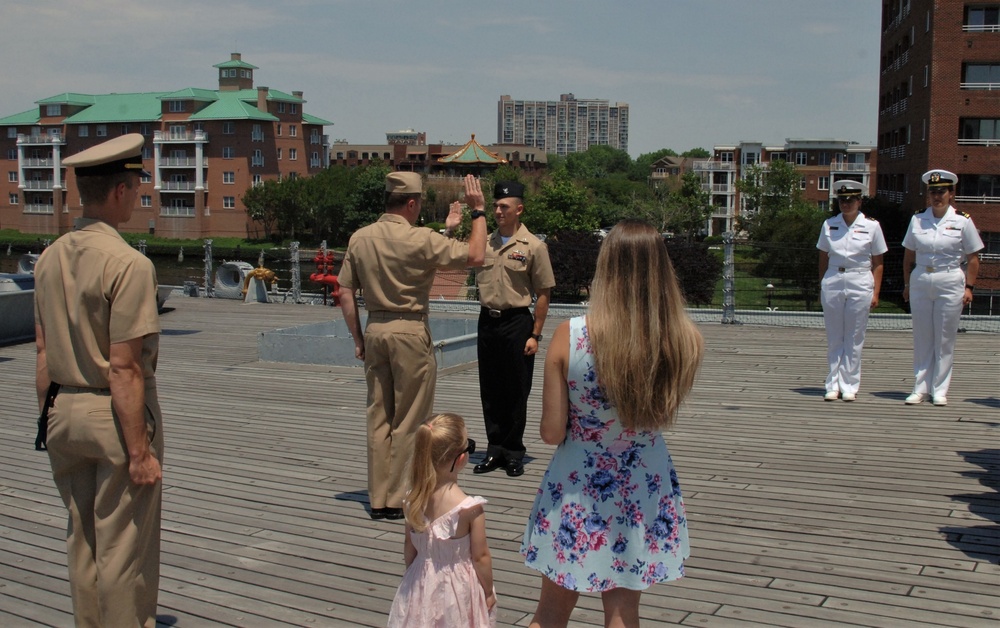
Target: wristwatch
(477,213)
(537,337)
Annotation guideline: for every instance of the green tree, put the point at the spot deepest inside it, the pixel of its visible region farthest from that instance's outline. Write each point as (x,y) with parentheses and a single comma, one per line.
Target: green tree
(262,205)
(328,195)
(782,226)
(561,205)
(697,153)
(644,163)
(368,198)
(597,162)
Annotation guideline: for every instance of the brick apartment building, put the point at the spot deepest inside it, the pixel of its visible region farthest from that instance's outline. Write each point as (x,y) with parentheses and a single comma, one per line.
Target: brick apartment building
(409,150)
(939,105)
(820,162)
(204,148)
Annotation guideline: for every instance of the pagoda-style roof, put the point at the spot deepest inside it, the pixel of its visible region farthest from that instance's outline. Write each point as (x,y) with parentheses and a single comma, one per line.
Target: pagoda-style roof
(473,153)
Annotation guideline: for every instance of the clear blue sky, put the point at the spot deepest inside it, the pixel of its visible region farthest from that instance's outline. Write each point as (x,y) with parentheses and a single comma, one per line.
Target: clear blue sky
(694,72)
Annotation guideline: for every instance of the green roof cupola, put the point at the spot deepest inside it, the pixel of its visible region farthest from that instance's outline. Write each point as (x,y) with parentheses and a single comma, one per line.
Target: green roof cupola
(235,74)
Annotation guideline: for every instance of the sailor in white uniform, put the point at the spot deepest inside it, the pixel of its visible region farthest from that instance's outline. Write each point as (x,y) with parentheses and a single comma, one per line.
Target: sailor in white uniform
(851,246)
(938,241)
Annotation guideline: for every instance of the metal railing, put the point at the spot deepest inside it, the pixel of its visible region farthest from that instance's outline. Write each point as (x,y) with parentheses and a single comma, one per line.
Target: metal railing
(191,162)
(37,208)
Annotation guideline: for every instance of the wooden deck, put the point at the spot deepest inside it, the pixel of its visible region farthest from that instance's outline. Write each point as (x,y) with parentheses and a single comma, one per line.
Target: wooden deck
(802,513)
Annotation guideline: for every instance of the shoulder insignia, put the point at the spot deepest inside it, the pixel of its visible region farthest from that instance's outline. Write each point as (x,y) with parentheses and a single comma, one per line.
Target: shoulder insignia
(919,211)
(966,214)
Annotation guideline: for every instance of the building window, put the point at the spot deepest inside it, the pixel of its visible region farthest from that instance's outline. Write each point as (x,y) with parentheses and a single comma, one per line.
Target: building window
(340,154)
(145,178)
(11,153)
(294,108)
(147,152)
(982,18)
(176,106)
(228,202)
(293,153)
(824,158)
(12,132)
(53,110)
(246,73)
(12,176)
(146,200)
(257,180)
(981,76)
(802,183)
(229,177)
(258,158)
(279,153)
(102,130)
(823,183)
(979,186)
(801,159)
(178,132)
(144,129)
(228,128)
(257,135)
(228,152)
(281,107)
(979,131)
(292,176)
(278,130)
(13,198)
(126,129)
(823,206)
(293,131)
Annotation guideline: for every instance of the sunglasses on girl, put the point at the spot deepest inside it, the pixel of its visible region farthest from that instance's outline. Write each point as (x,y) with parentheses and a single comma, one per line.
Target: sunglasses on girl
(469,449)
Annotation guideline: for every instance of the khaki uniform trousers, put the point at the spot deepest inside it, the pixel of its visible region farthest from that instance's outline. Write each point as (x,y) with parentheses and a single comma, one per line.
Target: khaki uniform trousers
(113,534)
(401,373)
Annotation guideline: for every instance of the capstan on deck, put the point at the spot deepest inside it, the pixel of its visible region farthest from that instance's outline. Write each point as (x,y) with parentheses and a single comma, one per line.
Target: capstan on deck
(802,513)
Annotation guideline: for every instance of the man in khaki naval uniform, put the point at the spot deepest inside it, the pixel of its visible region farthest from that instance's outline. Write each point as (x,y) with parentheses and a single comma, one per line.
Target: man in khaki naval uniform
(517,266)
(97,333)
(394,262)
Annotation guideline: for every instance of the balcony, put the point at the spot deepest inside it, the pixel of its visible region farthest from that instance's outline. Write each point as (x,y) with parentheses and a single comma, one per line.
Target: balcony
(978,200)
(37,208)
(40,139)
(714,165)
(849,167)
(718,188)
(182,162)
(160,137)
(721,212)
(178,186)
(988,87)
(981,28)
(177,211)
(36,184)
(979,142)
(38,163)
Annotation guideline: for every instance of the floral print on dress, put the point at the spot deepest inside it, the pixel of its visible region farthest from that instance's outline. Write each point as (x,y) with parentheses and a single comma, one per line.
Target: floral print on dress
(609,511)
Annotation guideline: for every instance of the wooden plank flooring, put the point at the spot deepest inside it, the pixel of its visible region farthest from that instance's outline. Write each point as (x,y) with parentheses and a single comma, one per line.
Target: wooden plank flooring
(802,513)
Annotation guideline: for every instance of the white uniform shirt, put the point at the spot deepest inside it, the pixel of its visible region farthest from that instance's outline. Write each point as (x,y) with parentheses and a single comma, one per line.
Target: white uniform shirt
(851,246)
(942,243)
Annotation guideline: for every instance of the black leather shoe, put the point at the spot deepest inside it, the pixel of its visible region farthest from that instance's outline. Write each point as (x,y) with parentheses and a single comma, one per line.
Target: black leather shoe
(491,463)
(378,513)
(393,513)
(515,468)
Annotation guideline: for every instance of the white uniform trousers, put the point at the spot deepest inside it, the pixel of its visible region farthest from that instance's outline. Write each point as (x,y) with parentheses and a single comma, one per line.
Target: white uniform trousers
(847,299)
(936,309)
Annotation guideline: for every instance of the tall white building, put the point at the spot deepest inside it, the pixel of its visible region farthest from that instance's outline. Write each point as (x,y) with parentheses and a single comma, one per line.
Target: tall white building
(563,126)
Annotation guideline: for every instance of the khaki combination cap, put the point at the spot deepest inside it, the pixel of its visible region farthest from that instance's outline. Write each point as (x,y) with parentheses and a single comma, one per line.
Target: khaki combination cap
(939,178)
(404,183)
(121,154)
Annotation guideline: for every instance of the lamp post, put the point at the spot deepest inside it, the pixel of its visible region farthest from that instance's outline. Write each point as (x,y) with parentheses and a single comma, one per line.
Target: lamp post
(769,289)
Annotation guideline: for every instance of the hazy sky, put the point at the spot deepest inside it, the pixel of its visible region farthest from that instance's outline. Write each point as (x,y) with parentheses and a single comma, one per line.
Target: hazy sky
(694,72)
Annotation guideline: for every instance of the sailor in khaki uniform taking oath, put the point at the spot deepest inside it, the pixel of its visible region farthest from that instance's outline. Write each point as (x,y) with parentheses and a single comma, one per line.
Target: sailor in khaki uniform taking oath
(97,334)
(851,247)
(394,262)
(516,267)
(937,242)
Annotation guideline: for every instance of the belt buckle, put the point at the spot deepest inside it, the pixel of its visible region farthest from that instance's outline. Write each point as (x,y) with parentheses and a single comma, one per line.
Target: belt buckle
(495,313)
(929,269)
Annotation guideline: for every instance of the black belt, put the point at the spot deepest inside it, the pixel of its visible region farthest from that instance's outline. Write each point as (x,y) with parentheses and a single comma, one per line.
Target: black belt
(514,311)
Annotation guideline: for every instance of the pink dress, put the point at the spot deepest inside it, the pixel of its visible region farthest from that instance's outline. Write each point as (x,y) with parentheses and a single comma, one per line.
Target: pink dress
(440,587)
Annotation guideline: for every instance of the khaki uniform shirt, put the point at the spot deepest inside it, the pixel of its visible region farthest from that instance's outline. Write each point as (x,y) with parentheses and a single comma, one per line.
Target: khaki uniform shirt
(394,263)
(512,272)
(92,290)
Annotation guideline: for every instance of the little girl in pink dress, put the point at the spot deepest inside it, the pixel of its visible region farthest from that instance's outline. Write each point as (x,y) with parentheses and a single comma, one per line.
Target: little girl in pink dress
(449,572)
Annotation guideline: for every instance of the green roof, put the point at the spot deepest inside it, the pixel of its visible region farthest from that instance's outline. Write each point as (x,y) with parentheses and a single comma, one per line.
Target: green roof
(235,63)
(308,119)
(67,99)
(192,93)
(272,94)
(229,107)
(472,153)
(28,117)
(144,107)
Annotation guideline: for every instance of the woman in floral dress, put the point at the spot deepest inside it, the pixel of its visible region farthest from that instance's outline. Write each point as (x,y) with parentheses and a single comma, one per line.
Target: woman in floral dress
(608,516)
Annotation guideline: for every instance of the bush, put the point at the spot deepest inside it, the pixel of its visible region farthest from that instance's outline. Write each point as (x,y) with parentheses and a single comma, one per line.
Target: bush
(697,268)
(574,259)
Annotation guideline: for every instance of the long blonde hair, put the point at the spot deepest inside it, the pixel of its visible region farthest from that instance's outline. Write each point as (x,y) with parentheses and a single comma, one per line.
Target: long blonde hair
(646,348)
(439,440)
